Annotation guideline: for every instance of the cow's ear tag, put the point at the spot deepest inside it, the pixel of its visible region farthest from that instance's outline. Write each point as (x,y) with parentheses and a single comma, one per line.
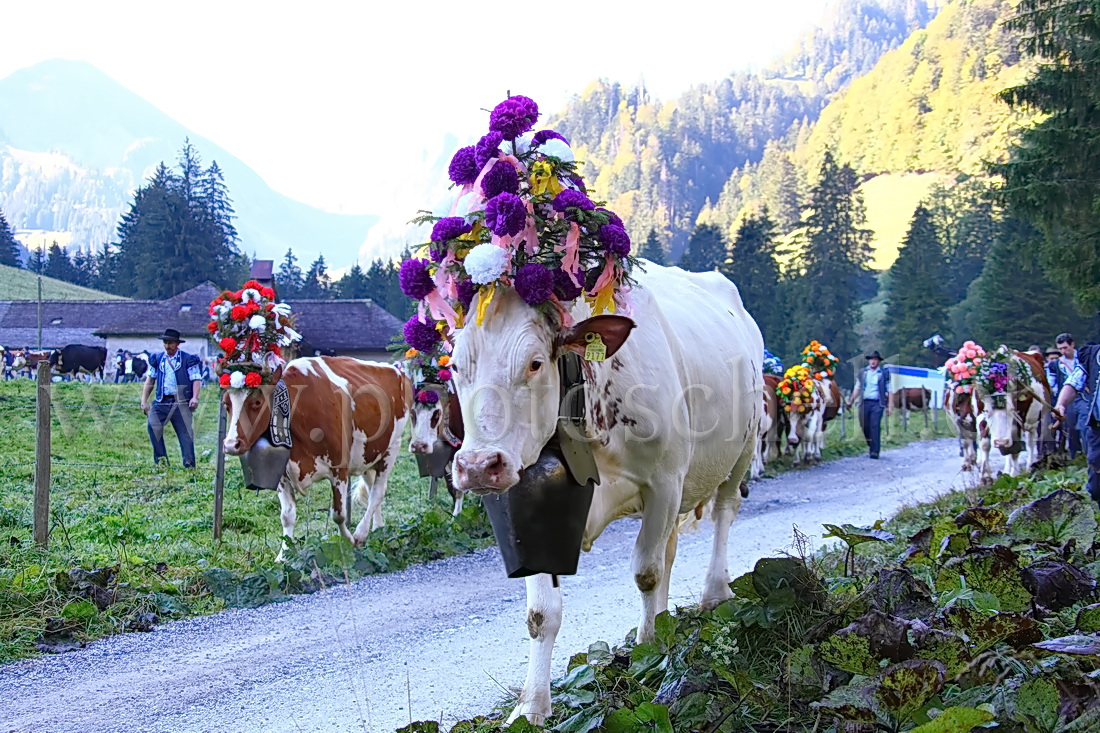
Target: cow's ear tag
(594,347)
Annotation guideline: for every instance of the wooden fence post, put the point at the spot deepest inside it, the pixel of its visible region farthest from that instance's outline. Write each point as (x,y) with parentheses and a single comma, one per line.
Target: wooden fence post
(42,457)
(219,472)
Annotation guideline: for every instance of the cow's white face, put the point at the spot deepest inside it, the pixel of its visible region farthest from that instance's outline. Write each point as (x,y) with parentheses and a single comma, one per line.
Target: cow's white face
(999,420)
(506,378)
(425,426)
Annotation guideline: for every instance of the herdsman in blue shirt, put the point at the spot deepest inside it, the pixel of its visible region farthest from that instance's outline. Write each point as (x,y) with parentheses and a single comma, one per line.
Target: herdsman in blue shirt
(873,384)
(177,377)
(1085,380)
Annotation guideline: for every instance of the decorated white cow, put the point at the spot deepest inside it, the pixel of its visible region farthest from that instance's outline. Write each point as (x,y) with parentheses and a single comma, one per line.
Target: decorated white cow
(1011,391)
(525,269)
(803,401)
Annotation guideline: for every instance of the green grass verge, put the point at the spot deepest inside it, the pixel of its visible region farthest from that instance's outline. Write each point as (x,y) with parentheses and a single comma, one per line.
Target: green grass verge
(977,607)
(149,529)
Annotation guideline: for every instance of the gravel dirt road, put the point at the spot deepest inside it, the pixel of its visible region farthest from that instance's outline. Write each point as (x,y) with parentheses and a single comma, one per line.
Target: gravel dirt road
(438,641)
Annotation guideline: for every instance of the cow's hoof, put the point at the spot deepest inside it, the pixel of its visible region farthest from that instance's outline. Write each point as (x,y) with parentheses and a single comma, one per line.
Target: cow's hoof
(535,714)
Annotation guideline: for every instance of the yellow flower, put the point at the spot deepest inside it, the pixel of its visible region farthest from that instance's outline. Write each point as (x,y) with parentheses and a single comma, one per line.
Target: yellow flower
(484,297)
(543,179)
(604,301)
(474,235)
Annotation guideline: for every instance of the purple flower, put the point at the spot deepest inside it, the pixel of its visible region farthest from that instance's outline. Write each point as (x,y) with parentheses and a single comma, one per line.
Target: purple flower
(463,168)
(543,135)
(615,239)
(514,116)
(486,149)
(569,197)
(579,183)
(466,291)
(450,227)
(534,283)
(501,177)
(420,336)
(505,214)
(427,397)
(416,281)
(612,217)
(564,286)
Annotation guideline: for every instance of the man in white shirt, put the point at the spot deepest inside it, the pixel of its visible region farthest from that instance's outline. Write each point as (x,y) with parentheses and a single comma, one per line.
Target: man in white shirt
(874,386)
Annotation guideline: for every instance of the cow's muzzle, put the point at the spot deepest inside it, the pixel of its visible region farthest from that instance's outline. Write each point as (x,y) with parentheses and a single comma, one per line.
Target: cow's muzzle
(1002,443)
(792,440)
(486,471)
(419,447)
(232,446)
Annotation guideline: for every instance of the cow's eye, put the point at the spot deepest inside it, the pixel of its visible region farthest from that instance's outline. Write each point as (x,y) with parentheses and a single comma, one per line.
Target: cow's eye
(536,364)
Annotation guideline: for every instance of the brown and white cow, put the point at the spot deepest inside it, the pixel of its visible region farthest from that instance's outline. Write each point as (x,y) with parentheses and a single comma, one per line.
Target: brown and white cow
(963,410)
(806,435)
(767,444)
(912,398)
(27,361)
(1013,422)
(346,420)
(437,427)
(673,413)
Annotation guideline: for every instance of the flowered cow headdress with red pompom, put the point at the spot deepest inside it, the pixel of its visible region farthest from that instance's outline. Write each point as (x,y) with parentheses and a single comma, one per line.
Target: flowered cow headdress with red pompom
(521,218)
(251,329)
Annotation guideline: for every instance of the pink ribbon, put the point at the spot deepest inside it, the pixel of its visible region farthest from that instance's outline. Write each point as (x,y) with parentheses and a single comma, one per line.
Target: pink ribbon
(572,253)
(605,278)
(530,234)
(441,309)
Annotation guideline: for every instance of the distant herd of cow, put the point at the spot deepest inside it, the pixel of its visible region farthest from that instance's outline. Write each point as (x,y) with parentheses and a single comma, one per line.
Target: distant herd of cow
(72,360)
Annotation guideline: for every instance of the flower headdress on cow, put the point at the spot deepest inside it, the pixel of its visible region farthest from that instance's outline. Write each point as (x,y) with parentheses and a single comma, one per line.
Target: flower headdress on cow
(429,371)
(997,373)
(251,329)
(962,369)
(521,218)
(795,391)
(819,360)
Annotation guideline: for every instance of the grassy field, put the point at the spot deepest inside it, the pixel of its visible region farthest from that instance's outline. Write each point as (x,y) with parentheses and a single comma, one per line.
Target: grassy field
(148,530)
(111,508)
(16,284)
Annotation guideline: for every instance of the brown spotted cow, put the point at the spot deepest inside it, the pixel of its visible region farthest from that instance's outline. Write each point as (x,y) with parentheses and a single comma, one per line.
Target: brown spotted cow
(437,426)
(1012,424)
(771,428)
(962,409)
(346,420)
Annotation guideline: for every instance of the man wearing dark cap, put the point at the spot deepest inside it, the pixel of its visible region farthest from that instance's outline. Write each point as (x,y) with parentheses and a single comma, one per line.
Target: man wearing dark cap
(1084,381)
(873,385)
(177,378)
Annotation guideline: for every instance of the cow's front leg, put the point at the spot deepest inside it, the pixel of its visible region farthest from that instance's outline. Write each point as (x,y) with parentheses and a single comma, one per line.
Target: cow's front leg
(339,511)
(648,560)
(288,514)
(544,612)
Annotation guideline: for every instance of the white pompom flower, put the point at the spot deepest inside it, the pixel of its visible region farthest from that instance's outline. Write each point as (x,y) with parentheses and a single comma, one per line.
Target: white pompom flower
(257,323)
(556,148)
(236,380)
(523,144)
(250,294)
(486,263)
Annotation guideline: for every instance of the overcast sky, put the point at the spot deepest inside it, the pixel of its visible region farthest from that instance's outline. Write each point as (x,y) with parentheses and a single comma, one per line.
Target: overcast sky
(328,101)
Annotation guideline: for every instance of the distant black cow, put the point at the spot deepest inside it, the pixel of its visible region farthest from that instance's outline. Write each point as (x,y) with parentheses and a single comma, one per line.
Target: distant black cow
(79,359)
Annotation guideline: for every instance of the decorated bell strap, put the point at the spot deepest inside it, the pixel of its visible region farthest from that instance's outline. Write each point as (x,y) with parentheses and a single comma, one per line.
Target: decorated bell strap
(280,416)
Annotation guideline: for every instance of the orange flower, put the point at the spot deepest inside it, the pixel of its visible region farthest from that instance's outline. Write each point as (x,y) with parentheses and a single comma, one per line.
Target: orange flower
(444,360)
(411,353)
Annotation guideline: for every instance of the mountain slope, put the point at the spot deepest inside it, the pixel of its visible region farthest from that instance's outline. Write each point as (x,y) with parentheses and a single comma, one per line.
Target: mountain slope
(18,284)
(74,144)
(659,164)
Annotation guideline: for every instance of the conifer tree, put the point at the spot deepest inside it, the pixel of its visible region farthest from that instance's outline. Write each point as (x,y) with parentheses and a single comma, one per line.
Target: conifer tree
(384,288)
(9,247)
(753,268)
(706,249)
(1013,301)
(653,250)
(59,265)
(917,303)
(177,233)
(834,262)
(289,276)
(317,283)
(84,269)
(353,284)
(1052,177)
(36,261)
